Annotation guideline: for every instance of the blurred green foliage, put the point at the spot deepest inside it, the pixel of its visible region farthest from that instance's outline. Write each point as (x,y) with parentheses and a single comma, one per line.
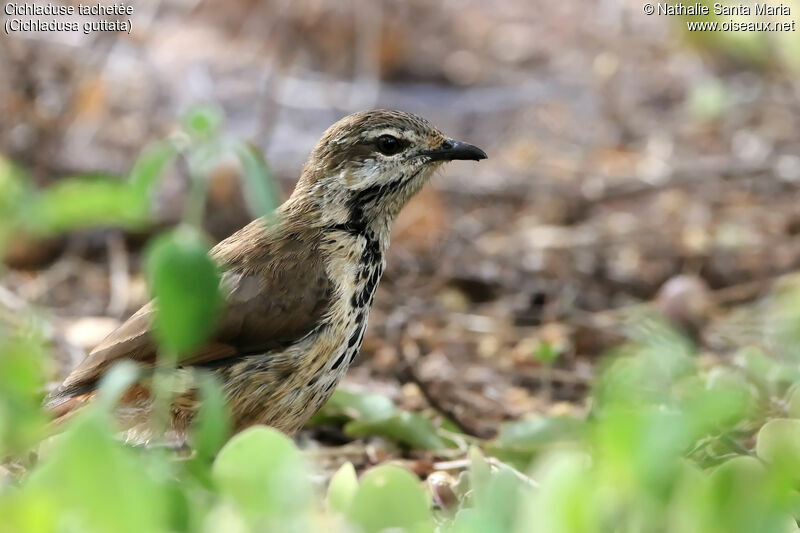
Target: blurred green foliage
(669,445)
(546,353)
(373,414)
(184,282)
(101,200)
(21,391)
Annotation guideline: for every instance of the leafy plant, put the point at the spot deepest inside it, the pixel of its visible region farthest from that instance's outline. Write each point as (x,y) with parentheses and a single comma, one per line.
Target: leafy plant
(373,414)
(669,444)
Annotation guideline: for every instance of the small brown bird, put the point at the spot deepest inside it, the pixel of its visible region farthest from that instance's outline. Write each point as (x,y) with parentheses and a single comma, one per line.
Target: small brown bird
(298,288)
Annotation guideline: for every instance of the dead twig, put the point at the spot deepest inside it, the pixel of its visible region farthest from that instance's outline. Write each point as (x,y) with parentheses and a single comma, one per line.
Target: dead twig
(408,373)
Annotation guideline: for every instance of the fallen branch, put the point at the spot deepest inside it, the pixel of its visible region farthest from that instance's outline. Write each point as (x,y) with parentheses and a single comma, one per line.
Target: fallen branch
(408,373)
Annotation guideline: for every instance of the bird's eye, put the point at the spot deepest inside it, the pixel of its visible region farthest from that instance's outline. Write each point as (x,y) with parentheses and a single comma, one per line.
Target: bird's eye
(389,145)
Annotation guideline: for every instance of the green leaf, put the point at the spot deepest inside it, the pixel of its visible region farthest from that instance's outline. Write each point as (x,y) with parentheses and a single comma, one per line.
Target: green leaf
(743,466)
(480,471)
(185,284)
(765,370)
(495,491)
(390,497)
(96,481)
(546,353)
(722,402)
(83,202)
(496,504)
(21,383)
(373,414)
(567,499)
(342,488)
(150,166)
(14,187)
(641,446)
(535,433)
(794,402)
(262,471)
(779,442)
(212,424)
(403,427)
(741,497)
(203,121)
(28,511)
(349,405)
(263,196)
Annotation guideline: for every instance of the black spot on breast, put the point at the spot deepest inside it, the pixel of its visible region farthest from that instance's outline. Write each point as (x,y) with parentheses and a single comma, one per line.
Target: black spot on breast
(364,297)
(354,338)
(358,344)
(370,285)
(338,361)
(372,251)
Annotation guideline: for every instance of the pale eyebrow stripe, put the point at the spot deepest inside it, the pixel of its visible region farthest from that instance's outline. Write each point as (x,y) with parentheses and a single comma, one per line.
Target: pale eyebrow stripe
(385,131)
(406,135)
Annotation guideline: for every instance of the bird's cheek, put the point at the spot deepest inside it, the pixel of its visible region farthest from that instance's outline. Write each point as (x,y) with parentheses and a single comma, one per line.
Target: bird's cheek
(431,168)
(372,172)
(354,177)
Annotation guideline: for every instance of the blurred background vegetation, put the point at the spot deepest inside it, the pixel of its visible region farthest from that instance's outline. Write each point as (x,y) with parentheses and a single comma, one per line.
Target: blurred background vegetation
(594,330)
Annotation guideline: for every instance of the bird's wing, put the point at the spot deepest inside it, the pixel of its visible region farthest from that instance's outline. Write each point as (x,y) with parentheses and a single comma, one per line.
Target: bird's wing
(267,307)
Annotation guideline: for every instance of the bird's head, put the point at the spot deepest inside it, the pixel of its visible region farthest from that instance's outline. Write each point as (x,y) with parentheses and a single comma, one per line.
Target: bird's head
(369,164)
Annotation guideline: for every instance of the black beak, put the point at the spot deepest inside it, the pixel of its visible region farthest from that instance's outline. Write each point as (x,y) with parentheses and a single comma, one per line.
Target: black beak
(451,150)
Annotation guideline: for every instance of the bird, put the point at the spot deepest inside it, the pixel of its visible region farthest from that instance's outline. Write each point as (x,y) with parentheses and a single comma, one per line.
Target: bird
(298,285)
